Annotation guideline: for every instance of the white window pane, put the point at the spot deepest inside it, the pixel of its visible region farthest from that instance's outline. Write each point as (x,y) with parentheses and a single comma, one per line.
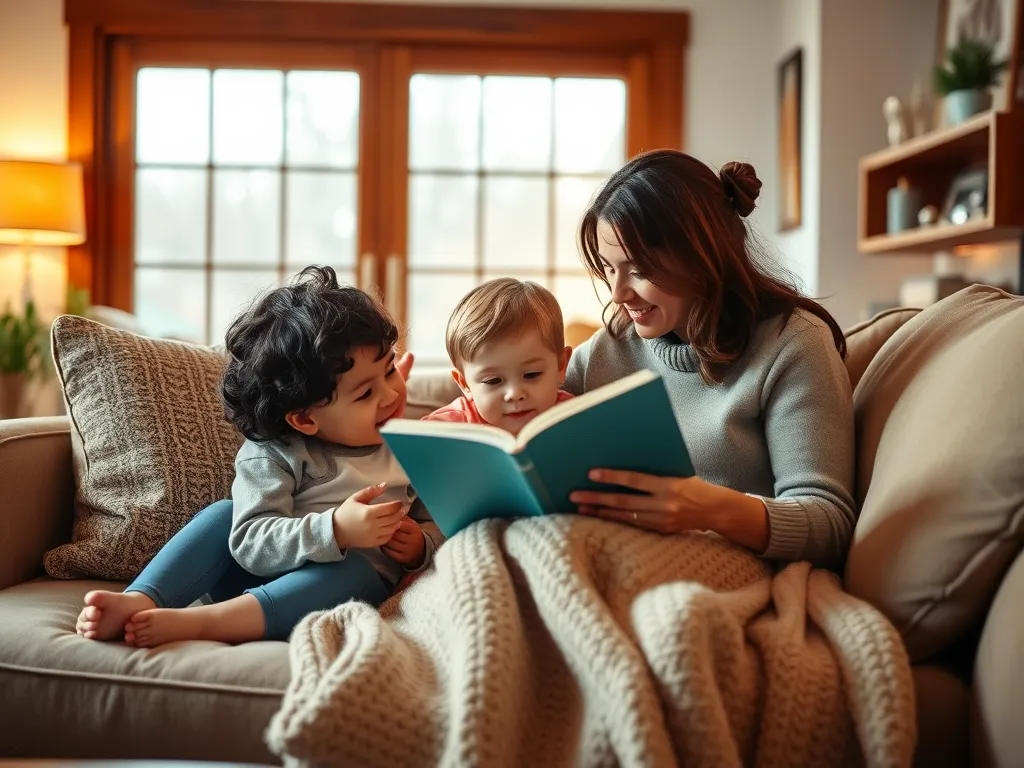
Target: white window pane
(442,220)
(321,225)
(432,298)
(572,197)
(248,115)
(576,296)
(323,119)
(517,123)
(171,302)
(246,217)
(444,122)
(590,125)
(170,216)
(515,222)
(172,116)
(233,292)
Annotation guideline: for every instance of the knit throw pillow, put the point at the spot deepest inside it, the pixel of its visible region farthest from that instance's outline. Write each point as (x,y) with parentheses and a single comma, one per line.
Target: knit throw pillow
(149,441)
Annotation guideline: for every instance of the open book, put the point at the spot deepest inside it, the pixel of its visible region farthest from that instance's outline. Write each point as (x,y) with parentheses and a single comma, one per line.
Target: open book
(467,472)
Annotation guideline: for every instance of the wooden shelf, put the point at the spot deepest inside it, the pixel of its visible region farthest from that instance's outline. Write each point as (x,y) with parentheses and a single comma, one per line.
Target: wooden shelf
(940,141)
(930,163)
(939,237)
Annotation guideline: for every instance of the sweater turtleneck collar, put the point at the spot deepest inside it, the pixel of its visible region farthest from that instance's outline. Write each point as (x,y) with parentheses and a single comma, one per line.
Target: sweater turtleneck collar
(675,353)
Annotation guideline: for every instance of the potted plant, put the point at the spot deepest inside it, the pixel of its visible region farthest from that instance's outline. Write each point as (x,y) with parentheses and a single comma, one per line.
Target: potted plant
(964,79)
(21,357)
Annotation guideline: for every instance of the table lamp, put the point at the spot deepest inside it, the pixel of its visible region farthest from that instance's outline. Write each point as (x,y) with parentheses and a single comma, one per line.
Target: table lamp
(41,205)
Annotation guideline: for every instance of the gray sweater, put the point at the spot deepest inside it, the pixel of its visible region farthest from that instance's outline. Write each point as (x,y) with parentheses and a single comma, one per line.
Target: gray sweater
(285,494)
(779,427)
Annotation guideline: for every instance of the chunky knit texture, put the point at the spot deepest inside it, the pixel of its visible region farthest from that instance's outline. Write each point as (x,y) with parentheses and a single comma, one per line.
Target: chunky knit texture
(571,641)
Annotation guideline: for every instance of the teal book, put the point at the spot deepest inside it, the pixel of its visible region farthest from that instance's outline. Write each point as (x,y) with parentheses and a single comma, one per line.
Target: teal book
(468,472)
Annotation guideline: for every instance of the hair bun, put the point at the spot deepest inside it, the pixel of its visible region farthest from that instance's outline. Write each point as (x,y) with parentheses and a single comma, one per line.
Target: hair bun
(741,186)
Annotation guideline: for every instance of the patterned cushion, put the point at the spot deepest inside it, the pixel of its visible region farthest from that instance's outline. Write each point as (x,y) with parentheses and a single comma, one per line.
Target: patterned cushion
(149,442)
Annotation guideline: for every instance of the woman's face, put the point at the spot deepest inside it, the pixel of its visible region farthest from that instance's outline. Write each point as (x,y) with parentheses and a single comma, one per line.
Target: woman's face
(653,312)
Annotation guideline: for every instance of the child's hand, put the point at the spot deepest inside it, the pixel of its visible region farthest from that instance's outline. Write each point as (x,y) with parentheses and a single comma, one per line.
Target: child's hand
(362,525)
(407,546)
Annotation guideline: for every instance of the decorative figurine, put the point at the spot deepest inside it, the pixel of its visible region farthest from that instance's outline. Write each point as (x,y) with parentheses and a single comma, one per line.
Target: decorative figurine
(918,109)
(893,111)
(928,215)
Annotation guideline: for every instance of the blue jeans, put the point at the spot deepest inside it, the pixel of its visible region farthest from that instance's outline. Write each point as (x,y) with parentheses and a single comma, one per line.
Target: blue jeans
(197,562)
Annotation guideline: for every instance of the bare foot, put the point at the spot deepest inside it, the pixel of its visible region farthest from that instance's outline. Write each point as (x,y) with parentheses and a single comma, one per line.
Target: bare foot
(148,629)
(105,613)
(237,620)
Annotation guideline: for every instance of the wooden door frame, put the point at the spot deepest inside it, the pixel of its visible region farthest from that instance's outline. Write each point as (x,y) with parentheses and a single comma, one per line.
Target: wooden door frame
(656,42)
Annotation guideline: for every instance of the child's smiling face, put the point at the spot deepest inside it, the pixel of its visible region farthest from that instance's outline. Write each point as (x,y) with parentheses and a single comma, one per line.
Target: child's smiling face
(368,394)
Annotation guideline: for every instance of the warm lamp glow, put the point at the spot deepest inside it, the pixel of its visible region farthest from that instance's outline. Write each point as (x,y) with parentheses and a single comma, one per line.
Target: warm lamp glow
(41,203)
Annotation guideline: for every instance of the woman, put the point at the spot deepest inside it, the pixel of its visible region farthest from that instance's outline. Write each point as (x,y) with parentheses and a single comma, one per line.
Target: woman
(753,369)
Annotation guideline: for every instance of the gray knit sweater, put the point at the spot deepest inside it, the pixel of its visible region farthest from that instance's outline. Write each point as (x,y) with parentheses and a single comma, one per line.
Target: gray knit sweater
(780,426)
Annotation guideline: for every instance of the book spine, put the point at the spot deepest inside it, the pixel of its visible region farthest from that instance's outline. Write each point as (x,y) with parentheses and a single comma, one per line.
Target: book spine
(532,477)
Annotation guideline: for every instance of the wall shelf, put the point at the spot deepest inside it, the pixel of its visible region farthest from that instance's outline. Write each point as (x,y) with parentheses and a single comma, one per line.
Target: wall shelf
(992,140)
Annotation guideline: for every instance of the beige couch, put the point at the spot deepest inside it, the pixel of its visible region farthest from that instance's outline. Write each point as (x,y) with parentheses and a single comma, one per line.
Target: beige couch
(63,696)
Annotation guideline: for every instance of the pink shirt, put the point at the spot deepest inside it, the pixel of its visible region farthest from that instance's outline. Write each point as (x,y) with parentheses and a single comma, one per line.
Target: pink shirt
(464,411)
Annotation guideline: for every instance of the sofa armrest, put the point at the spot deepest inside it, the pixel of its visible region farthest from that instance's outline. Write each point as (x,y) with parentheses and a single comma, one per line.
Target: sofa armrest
(36,494)
(998,711)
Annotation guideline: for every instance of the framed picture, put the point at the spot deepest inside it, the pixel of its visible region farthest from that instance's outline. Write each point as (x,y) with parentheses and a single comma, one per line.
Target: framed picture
(998,22)
(790,141)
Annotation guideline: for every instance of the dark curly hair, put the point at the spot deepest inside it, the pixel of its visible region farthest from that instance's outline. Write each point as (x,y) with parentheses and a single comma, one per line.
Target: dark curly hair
(286,352)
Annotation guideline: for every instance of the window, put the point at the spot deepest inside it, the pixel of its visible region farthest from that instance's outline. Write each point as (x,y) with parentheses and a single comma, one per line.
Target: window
(417,150)
(242,177)
(501,169)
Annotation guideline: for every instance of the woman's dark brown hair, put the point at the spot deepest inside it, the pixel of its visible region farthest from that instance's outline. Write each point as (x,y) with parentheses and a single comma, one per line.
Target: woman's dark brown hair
(682,228)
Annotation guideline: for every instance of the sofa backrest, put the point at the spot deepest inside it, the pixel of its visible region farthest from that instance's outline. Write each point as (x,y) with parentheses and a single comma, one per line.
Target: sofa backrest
(939,413)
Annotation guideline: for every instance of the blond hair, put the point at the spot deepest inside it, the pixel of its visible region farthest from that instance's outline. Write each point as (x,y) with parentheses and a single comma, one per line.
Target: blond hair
(501,309)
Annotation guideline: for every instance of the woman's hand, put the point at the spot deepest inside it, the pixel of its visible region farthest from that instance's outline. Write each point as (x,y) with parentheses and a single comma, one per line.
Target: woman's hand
(676,504)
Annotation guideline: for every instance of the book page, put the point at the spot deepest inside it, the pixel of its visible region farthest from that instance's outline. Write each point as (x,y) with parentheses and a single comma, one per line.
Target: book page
(568,408)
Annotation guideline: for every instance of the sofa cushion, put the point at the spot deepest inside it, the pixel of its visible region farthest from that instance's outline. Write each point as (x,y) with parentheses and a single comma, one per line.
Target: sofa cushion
(150,444)
(940,475)
(429,389)
(865,339)
(65,696)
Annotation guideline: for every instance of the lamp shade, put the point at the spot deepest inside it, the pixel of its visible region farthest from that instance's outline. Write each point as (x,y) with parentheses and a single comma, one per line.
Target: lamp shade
(41,203)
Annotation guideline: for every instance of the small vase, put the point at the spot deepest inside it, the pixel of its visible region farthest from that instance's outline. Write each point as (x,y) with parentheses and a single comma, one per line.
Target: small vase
(12,395)
(961,105)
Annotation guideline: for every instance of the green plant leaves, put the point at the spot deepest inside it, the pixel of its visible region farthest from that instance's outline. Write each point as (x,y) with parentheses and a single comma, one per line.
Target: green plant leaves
(970,65)
(22,341)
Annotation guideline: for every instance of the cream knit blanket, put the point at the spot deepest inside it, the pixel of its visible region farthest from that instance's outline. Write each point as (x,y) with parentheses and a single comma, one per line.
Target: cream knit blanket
(570,641)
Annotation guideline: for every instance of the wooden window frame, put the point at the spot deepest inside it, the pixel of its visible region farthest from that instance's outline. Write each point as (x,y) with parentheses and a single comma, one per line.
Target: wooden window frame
(653,42)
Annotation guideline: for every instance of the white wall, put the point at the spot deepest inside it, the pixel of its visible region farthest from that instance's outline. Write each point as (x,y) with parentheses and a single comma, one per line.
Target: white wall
(854,82)
(730,93)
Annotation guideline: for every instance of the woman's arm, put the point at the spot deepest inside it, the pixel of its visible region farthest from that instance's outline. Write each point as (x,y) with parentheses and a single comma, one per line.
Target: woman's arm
(808,425)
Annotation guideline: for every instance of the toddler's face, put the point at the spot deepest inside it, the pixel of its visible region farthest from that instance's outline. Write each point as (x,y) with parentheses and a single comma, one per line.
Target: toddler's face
(512,380)
(370,393)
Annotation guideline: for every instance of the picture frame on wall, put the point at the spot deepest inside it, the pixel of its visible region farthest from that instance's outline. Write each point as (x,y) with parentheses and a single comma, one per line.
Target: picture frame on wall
(1000,22)
(790,133)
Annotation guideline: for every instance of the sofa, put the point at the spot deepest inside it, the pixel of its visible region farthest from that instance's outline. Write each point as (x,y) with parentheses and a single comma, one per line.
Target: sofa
(950,576)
